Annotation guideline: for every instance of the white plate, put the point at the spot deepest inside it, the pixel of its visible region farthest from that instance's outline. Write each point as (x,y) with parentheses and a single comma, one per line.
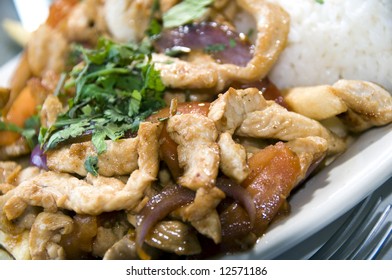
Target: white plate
(365,166)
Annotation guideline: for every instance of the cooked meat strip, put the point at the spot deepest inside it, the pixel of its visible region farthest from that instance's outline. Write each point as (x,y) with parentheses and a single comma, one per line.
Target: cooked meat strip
(278,123)
(94,195)
(368,104)
(45,235)
(16,244)
(120,158)
(198,152)
(233,158)
(51,108)
(360,104)
(228,112)
(9,170)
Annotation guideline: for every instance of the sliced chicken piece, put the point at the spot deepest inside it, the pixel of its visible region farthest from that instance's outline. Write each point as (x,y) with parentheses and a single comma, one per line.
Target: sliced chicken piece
(120,158)
(209,226)
(51,108)
(310,151)
(368,104)
(16,244)
(233,158)
(198,152)
(205,201)
(318,102)
(229,110)
(272,29)
(52,190)
(278,123)
(359,104)
(45,235)
(9,171)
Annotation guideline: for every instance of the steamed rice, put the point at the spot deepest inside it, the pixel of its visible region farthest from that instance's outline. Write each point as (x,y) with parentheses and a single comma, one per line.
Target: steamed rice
(349,39)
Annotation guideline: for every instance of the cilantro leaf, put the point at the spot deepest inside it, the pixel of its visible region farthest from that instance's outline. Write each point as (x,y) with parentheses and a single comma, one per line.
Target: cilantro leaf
(116,87)
(185,12)
(91,165)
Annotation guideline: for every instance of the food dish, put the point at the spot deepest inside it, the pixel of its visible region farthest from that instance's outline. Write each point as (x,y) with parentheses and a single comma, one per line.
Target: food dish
(325,197)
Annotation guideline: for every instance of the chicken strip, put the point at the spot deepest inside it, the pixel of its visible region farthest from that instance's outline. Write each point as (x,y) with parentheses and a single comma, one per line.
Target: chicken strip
(272,30)
(45,235)
(233,158)
(368,104)
(278,123)
(120,158)
(52,190)
(359,104)
(228,112)
(198,152)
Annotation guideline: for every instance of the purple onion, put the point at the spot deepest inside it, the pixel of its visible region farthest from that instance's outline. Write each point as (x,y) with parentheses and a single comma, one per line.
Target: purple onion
(157,208)
(240,194)
(38,158)
(221,42)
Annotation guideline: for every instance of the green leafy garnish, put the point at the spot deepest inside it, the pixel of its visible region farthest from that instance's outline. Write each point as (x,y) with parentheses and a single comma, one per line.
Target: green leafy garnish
(91,165)
(29,131)
(185,12)
(214,48)
(116,87)
(320,1)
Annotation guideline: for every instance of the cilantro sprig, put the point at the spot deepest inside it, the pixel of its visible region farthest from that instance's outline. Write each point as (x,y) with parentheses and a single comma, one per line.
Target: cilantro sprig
(116,87)
(185,12)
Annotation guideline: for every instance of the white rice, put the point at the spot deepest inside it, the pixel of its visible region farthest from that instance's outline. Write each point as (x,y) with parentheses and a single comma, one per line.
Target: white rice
(350,39)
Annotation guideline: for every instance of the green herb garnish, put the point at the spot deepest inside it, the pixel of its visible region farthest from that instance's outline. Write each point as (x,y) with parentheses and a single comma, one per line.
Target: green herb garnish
(185,12)
(91,165)
(29,131)
(320,1)
(116,87)
(215,48)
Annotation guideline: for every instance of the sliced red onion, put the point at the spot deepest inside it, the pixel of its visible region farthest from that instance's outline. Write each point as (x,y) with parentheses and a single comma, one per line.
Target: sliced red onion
(157,208)
(221,42)
(38,158)
(240,194)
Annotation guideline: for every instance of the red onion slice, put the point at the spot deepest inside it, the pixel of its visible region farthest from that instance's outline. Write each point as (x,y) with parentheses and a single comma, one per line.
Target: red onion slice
(157,208)
(222,43)
(38,158)
(240,194)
